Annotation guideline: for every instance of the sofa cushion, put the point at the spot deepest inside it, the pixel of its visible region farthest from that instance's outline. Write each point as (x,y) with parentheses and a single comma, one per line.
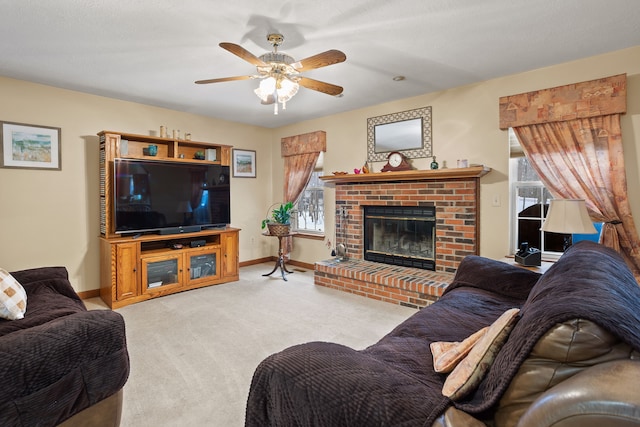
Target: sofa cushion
(567,349)
(467,375)
(13,298)
(447,355)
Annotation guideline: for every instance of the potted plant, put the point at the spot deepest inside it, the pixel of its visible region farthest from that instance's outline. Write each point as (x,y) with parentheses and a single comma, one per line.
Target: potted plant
(280,222)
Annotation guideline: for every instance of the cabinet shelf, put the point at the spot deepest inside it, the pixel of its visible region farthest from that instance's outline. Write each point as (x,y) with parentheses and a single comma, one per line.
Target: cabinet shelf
(153,252)
(157,139)
(143,157)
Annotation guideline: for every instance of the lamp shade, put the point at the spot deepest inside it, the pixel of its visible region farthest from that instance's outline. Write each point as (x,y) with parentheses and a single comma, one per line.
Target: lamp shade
(568,216)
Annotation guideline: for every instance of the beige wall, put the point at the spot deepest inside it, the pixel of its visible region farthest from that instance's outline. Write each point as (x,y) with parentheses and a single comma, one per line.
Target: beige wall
(465,125)
(51,218)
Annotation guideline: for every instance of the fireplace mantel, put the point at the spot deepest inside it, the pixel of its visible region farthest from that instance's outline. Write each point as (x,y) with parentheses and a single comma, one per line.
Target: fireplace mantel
(410,175)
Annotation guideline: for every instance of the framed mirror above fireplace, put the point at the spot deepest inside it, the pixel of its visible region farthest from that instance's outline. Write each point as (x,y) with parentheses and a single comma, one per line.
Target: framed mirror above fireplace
(408,132)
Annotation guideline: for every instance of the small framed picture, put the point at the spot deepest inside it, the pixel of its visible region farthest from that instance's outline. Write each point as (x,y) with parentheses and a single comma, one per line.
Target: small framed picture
(244,163)
(29,146)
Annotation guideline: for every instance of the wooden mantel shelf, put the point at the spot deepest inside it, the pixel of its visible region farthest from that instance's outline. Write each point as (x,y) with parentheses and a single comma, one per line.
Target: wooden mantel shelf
(411,175)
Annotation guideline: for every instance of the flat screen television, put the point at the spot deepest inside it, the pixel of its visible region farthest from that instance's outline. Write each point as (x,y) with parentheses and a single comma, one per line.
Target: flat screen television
(169,197)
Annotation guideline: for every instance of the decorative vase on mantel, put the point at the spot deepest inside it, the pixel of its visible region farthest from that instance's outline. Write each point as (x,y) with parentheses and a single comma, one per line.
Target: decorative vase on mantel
(434,164)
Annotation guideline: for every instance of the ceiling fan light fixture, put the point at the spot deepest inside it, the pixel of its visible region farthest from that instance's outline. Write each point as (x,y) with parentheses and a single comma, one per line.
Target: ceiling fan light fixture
(274,90)
(267,87)
(286,90)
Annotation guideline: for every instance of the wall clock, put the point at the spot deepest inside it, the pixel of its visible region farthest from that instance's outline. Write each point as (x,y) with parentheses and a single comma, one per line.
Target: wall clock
(396,161)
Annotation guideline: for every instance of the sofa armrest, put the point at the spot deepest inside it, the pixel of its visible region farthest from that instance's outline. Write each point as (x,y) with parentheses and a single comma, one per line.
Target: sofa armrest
(604,394)
(494,276)
(53,370)
(40,273)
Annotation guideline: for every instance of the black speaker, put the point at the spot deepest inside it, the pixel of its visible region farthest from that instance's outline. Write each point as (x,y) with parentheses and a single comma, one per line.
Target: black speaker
(198,243)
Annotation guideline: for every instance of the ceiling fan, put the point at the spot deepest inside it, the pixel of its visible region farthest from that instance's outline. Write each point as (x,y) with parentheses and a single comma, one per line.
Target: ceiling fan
(280,73)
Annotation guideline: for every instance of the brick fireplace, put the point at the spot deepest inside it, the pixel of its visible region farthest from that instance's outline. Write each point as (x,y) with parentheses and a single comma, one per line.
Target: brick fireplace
(400,235)
(454,193)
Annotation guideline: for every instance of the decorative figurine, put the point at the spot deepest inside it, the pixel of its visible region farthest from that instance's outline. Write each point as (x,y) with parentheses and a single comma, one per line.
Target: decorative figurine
(365,168)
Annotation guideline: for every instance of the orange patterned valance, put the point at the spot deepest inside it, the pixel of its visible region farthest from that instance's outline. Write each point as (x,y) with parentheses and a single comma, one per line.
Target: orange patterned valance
(313,142)
(587,99)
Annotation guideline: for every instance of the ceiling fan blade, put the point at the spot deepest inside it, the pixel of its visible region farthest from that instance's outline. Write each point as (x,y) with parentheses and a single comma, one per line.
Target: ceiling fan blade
(224,79)
(243,53)
(323,59)
(319,86)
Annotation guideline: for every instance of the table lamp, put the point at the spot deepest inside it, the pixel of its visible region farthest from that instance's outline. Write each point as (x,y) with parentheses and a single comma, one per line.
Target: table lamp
(568,216)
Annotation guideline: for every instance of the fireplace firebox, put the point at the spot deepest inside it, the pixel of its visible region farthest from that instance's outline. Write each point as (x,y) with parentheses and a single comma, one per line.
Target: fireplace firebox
(400,235)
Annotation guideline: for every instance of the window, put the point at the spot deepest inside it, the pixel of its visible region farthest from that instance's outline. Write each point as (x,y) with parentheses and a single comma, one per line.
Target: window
(308,217)
(530,204)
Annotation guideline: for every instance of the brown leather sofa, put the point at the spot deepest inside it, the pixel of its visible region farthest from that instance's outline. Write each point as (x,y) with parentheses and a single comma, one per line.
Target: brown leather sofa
(570,360)
(61,364)
(578,374)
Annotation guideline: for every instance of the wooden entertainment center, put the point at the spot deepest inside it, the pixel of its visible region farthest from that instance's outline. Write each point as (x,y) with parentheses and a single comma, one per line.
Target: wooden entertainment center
(144,266)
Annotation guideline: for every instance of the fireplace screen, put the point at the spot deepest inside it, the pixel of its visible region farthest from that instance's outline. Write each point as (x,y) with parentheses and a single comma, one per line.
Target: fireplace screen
(400,235)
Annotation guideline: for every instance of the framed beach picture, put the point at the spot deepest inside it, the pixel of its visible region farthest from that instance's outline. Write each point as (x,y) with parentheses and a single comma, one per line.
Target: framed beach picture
(244,163)
(29,146)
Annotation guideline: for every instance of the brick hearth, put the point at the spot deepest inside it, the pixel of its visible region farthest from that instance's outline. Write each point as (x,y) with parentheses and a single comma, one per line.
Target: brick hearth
(412,287)
(455,195)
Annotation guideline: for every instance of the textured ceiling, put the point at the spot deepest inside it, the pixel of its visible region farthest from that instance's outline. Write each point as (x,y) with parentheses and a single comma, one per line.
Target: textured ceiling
(152,51)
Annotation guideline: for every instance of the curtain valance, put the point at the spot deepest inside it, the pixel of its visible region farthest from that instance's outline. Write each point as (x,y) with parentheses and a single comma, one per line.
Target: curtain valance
(579,100)
(312,142)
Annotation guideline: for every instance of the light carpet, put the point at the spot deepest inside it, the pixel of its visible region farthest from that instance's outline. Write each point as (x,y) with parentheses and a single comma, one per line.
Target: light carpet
(193,354)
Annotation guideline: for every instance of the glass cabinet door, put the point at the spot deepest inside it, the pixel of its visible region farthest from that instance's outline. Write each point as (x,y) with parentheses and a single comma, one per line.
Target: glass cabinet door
(202,265)
(161,272)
